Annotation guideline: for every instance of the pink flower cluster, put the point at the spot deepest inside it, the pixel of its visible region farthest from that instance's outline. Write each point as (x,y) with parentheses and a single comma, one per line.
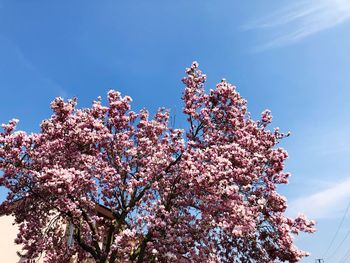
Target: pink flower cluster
(204,195)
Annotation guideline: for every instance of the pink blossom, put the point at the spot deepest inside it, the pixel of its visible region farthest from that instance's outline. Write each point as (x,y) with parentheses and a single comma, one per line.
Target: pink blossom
(205,194)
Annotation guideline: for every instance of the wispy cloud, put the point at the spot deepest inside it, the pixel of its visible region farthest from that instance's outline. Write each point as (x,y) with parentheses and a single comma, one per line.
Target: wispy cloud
(298,21)
(327,203)
(325,142)
(47,81)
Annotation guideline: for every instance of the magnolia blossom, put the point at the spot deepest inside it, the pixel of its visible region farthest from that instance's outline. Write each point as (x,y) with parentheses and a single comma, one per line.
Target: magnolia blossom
(203,194)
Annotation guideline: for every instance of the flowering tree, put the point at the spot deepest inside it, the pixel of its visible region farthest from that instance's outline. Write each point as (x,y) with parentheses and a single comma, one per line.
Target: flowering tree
(204,195)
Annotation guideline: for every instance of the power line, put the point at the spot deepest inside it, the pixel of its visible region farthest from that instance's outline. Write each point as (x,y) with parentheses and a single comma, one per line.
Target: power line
(341,243)
(336,232)
(345,257)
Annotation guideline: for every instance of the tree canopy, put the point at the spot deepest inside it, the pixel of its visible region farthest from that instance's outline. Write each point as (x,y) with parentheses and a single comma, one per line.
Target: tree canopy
(204,194)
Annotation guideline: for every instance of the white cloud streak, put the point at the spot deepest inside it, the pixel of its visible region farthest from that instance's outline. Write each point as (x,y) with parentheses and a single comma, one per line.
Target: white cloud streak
(47,81)
(298,21)
(327,203)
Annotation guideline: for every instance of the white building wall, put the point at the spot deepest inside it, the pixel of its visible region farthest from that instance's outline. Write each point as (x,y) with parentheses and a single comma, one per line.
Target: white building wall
(8,248)
(8,233)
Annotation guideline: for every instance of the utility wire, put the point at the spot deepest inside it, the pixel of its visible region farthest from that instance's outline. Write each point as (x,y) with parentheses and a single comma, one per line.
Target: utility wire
(341,243)
(345,257)
(336,232)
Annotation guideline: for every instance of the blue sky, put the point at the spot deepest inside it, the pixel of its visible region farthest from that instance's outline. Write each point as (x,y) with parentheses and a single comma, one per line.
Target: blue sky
(289,56)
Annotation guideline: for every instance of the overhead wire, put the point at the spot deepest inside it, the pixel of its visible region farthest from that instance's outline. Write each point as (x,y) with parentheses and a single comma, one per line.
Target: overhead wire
(345,256)
(341,243)
(337,231)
